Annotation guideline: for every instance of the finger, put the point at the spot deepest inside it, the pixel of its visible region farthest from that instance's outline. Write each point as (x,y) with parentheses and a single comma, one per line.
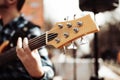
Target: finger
(25,42)
(19,42)
(19,49)
(20,52)
(25,45)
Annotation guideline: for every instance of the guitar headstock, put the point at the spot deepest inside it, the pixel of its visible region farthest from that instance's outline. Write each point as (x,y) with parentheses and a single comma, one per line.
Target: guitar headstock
(70,30)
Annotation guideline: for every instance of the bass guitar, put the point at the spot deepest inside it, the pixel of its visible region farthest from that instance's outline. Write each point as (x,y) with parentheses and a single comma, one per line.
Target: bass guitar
(61,34)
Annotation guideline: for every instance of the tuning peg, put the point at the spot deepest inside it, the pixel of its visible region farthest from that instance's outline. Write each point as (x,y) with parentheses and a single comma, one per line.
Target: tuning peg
(66,19)
(60,26)
(72,45)
(83,40)
(57,40)
(80,23)
(69,25)
(74,16)
(66,35)
(76,30)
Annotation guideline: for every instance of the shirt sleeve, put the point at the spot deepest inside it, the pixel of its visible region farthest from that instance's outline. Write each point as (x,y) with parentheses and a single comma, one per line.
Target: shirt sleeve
(47,65)
(34,32)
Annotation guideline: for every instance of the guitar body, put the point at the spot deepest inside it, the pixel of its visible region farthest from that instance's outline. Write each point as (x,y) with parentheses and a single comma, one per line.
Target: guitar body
(3,46)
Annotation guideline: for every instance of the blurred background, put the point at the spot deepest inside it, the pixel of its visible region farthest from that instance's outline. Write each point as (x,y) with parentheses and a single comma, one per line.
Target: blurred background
(96,55)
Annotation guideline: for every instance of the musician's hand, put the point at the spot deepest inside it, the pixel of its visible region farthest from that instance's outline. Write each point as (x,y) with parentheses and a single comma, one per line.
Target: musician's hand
(30,59)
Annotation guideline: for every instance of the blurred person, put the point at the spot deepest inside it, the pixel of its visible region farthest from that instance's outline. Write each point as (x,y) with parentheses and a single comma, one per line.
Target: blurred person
(30,65)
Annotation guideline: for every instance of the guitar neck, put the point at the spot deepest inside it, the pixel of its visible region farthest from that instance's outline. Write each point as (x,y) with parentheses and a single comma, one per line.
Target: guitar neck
(34,43)
(37,42)
(10,55)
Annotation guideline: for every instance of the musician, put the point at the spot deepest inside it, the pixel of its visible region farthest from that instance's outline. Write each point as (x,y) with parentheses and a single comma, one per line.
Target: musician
(30,65)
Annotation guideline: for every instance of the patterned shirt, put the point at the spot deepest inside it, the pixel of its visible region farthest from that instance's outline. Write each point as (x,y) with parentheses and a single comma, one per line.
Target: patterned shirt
(15,70)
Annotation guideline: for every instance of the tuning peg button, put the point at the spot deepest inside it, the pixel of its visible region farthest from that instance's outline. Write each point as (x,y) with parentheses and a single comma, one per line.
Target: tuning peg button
(76,30)
(79,23)
(57,40)
(60,26)
(69,25)
(66,35)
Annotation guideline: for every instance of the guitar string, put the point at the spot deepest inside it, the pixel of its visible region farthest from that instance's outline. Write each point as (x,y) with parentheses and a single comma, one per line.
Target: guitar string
(39,40)
(32,41)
